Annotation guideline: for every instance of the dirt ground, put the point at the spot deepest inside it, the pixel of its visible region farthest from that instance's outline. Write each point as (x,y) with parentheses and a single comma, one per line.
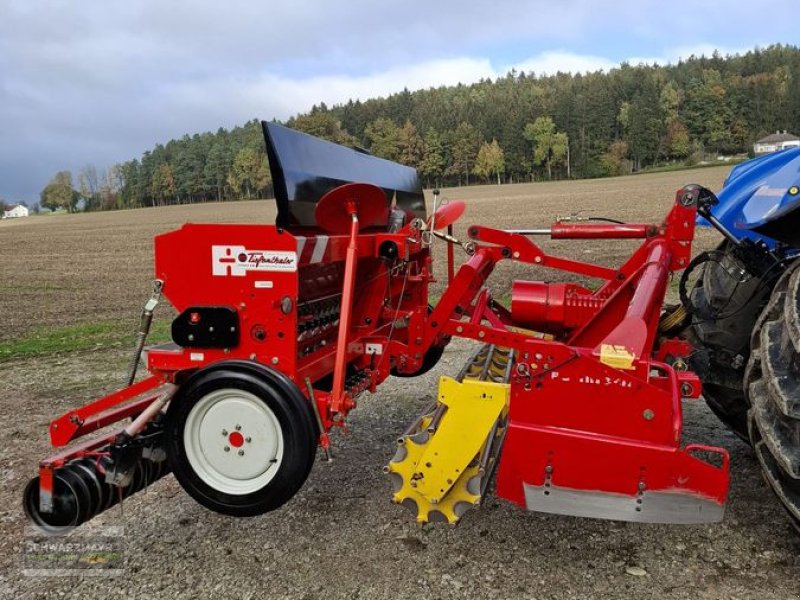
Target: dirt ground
(341,537)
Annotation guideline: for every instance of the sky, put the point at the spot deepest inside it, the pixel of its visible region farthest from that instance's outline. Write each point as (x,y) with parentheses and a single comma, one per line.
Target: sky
(100,81)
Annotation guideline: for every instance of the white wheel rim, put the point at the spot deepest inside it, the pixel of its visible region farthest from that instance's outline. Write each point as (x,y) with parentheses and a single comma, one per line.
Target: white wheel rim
(233,441)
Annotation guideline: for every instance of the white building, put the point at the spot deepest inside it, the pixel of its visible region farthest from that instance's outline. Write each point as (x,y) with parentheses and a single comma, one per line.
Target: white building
(780,140)
(16,211)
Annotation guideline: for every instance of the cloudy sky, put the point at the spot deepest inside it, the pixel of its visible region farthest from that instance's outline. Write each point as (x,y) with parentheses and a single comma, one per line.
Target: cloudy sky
(101,81)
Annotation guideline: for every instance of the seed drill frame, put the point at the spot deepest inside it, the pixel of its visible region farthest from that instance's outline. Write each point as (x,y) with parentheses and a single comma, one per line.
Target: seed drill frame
(580,415)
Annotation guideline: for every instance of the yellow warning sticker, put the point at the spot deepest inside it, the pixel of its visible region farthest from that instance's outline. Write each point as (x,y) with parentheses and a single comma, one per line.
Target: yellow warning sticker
(618,357)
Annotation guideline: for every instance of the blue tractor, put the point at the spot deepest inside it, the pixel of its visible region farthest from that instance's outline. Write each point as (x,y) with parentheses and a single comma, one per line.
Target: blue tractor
(740,308)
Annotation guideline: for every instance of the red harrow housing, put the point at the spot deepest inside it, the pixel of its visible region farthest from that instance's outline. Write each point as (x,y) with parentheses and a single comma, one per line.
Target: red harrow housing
(572,396)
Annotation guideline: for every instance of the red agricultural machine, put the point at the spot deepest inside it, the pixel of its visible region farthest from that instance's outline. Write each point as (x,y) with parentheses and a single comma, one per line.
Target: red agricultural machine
(572,396)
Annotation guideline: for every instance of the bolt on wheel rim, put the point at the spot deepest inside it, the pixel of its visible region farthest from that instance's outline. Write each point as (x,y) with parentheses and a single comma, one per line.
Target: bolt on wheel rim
(230,460)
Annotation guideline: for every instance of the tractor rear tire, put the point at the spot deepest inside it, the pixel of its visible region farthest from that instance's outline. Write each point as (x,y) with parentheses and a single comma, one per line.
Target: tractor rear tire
(725,304)
(241,438)
(772,387)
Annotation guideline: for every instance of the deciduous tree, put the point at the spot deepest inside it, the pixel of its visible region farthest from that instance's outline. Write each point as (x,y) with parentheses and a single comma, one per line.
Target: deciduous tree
(615,160)
(708,115)
(676,141)
(383,137)
(60,193)
(549,147)
(89,187)
(323,124)
(249,173)
(490,161)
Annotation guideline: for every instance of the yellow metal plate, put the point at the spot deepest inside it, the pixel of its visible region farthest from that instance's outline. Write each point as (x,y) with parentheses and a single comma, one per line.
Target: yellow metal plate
(472,409)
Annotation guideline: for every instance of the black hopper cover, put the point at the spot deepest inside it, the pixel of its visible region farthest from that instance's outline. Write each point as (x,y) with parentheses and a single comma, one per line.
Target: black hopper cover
(304,168)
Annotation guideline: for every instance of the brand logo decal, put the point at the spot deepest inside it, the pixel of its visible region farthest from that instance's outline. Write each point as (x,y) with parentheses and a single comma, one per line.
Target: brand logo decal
(236,261)
(765,190)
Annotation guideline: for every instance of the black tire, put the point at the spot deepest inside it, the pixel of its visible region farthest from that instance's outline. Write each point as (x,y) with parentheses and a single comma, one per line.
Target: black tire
(298,436)
(724,307)
(773,392)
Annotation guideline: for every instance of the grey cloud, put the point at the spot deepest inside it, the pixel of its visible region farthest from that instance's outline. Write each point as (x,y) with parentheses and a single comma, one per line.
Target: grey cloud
(102,81)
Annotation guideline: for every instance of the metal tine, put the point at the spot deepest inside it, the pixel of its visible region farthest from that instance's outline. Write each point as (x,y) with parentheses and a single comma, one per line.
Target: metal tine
(509,364)
(485,370)
(487,448)
(473,360)
(437,417)
(415,425)
(497,371)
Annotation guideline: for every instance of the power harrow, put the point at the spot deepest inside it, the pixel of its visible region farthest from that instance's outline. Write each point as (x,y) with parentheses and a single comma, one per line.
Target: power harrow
(571,402)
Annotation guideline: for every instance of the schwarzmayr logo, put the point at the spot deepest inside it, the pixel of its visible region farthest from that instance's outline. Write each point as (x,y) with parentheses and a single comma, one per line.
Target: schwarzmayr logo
(93,551)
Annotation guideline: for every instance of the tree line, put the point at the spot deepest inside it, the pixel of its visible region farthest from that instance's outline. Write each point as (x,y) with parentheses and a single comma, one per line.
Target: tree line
(519,127)
(225,165)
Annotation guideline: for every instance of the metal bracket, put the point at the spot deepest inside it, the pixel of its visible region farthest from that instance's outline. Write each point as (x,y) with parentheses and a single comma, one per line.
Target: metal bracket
(144,328)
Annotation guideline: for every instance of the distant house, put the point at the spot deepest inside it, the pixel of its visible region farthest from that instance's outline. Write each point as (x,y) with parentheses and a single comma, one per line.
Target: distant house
(780,140)
(15,212)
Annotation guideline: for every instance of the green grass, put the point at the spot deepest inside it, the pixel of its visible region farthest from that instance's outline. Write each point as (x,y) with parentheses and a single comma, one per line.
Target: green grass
(669,167)
(82,336)
(22,290)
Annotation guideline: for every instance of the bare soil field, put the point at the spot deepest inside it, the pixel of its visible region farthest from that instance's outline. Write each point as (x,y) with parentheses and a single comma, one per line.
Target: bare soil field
(70,278)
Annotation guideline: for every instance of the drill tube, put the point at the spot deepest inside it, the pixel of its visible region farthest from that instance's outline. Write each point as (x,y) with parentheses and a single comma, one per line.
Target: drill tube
(340,365)
(141,337)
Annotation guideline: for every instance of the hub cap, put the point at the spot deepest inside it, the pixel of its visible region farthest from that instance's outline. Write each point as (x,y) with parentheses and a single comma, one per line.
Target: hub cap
(233,441)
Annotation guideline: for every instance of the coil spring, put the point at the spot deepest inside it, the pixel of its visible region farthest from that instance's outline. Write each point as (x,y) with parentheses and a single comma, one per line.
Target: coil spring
(80,493)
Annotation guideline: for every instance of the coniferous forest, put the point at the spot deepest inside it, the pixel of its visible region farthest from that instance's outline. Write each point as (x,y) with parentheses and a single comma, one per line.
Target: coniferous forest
(520,127)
